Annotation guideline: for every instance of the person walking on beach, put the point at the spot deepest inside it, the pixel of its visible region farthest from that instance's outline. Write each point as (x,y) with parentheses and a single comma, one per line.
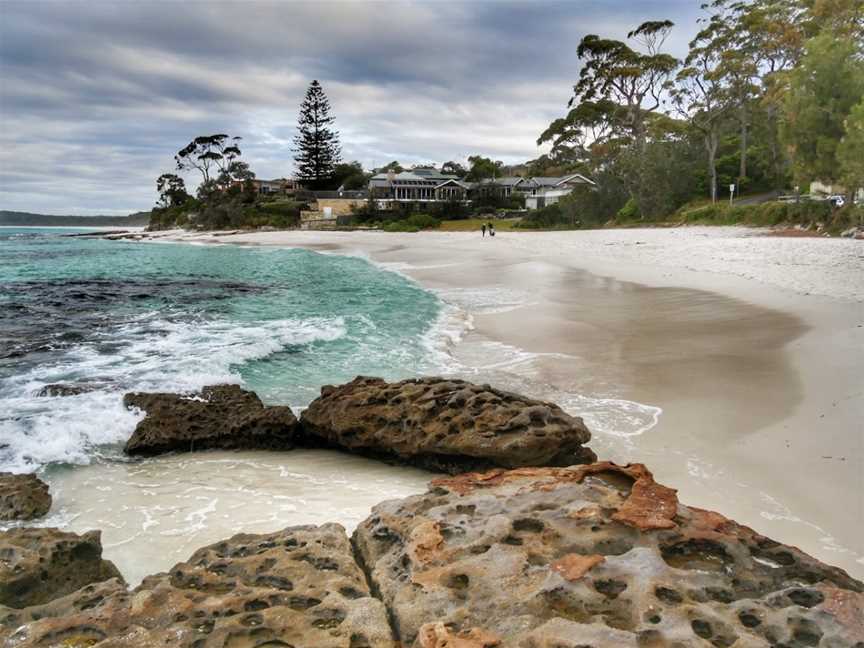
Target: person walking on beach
(483,229)
(491,229)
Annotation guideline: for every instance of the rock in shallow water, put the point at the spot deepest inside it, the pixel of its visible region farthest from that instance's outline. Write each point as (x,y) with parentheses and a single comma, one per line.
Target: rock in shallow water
(39,565)
(23,497)
(297,587)
(221,416)
(596,555)
(448,425)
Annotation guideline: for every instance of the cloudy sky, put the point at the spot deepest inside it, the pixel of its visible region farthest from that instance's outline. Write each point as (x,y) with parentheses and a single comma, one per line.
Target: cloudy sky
(97,96)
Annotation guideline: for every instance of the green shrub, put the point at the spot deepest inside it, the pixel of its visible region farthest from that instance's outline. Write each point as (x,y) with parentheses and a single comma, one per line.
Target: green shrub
(547,217)
(765,214)
(400,226)
(423,221)
(629,211)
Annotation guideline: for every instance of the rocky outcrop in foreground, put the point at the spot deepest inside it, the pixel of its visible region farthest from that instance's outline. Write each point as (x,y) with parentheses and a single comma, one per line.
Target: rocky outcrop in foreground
(446,425)
(298,587)
(23,497)
(596,555)
(220,416)
(39,565)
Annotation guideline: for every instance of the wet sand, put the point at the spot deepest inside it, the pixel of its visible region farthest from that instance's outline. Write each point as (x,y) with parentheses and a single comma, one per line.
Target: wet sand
(752,349)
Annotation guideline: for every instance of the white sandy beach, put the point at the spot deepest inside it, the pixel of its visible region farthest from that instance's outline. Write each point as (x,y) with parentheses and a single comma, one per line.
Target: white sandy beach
(728,361)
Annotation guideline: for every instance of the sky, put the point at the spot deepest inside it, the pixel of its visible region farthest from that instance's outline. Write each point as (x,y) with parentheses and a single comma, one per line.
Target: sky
(97,96)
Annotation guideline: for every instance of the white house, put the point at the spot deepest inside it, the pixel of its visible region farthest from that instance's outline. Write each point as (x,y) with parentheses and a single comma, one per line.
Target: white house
(549,190)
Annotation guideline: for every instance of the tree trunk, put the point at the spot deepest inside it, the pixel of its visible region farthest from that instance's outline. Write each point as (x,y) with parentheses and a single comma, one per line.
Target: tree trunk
(775,148)
(742,168)
(711,149)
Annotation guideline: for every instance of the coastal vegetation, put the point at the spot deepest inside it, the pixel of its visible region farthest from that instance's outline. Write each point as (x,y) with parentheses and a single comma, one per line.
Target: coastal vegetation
(768,100)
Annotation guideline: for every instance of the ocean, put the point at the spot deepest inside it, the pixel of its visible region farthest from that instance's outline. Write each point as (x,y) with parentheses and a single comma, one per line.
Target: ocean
(115,317)
(118,316)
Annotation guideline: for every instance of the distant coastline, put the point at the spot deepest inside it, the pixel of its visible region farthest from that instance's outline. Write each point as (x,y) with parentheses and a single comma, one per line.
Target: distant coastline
(27,219)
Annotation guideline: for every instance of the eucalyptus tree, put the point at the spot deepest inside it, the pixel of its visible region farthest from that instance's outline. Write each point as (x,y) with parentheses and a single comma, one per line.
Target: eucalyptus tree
(850,151)
(701,95)
(823,90)
(627,85)
(172,190)
(209,155)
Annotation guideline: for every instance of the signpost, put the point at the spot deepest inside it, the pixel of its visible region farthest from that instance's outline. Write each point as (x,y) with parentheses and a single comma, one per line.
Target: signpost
(731,192)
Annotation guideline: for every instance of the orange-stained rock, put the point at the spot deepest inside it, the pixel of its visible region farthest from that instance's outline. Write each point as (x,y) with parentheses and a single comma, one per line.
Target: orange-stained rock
(425,542)
(574,566)
(594,555)
(436,635)
(845,606)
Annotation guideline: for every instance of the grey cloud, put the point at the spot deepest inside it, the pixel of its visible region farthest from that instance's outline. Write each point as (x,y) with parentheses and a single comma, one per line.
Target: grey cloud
(95,98)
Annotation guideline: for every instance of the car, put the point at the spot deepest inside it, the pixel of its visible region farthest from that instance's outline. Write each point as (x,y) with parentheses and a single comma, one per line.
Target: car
(837,200)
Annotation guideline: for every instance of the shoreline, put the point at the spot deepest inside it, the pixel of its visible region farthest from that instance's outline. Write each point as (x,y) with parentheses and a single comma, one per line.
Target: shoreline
(742,369)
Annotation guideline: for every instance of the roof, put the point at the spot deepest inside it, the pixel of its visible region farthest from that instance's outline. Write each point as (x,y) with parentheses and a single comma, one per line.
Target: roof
(555,181)
(418,175)
(506,181)
(464,185)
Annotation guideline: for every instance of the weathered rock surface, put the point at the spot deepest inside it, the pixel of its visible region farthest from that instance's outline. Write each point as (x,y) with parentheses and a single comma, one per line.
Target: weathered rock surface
(23,497)
(220,416)
(297,587)
(71,389)
(448,425)
(39,565)
(595,555)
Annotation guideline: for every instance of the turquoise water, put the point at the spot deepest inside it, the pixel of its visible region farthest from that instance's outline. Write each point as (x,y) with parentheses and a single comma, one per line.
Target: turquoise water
(119,316)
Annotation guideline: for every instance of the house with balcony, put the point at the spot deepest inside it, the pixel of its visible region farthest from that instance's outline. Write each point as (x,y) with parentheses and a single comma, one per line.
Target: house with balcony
(418,186)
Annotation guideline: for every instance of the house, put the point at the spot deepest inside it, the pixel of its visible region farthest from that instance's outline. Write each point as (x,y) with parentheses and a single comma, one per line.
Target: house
(418,186)
(342,202)
(277,186)
(421,187)
(506,186)
(545,190)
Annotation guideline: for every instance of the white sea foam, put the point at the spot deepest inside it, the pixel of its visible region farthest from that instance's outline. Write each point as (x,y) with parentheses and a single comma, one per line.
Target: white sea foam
(151,354)
(487,300)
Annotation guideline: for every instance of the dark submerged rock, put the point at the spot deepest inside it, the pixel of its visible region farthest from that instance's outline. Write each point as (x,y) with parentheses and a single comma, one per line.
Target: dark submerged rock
(70,389)
(220,416)
(597,555)
(23,497)
(446,425)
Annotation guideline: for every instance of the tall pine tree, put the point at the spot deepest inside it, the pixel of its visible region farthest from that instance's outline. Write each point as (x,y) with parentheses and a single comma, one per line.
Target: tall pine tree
(317,148)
